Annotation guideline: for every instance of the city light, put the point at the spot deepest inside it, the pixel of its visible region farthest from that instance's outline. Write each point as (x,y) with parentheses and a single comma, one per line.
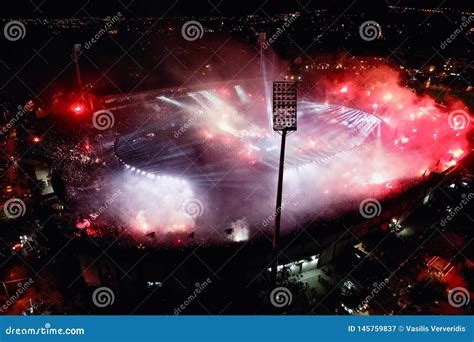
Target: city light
(78,108)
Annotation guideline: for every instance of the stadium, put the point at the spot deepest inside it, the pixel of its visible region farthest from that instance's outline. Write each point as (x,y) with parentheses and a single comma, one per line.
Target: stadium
(199,164)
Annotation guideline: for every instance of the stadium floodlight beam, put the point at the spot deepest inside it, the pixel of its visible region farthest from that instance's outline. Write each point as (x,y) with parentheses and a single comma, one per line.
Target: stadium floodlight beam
(284,121)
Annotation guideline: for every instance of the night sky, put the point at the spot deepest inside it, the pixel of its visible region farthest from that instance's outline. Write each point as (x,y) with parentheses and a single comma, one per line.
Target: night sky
(140,8)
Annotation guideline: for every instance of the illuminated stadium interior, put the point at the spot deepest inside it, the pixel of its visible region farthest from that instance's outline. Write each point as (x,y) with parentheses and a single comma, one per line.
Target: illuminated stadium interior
(205,161)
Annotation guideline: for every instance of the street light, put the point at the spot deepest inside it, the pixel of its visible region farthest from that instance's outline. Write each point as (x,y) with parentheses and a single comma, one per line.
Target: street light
(284,121)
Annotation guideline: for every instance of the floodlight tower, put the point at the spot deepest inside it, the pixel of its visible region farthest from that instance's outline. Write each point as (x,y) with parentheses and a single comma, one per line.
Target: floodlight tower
(284,121)
(84,103)
(76,53)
